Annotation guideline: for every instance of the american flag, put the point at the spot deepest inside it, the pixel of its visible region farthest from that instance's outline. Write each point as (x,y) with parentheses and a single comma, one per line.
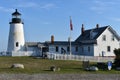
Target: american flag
(71,26)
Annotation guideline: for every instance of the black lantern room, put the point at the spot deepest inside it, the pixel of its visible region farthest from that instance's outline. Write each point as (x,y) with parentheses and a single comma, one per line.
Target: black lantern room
(16,17)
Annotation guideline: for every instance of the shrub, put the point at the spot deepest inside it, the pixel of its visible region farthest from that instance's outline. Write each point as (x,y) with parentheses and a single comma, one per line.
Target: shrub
(117,59)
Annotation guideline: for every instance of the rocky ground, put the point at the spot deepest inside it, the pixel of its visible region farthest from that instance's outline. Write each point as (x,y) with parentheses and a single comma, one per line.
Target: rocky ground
(60,77)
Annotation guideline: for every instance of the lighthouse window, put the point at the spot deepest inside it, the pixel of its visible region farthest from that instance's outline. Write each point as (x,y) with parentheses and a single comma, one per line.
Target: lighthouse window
(17,44)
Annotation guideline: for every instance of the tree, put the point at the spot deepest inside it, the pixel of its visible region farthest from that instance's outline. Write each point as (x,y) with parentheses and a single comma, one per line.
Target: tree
(117,59)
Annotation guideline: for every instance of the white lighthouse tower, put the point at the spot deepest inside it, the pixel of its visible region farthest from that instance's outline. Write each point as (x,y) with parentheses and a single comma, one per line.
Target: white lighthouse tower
(16,34)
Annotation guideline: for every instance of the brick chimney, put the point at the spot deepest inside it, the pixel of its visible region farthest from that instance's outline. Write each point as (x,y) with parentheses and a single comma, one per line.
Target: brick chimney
(52,39)
(82,29)
(97,26)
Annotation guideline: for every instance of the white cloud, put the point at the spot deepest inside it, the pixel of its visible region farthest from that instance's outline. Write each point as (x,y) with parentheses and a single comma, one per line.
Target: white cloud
(48,6)
(98,9)
(36,5)
(100,6)
(116,19)
(28,5)
(46,23)
(4,9)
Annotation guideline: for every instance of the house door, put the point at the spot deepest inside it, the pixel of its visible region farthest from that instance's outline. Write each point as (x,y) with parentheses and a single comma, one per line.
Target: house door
(103,53)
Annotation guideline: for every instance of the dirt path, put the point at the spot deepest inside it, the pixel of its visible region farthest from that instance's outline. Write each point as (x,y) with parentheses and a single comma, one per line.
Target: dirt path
(60,77)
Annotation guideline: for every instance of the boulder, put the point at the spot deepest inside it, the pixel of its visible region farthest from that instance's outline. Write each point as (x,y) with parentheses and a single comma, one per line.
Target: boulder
(21,66)
(92,68)
(54,68)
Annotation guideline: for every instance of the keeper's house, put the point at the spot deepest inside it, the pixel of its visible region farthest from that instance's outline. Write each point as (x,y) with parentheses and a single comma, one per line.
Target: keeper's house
(99,41)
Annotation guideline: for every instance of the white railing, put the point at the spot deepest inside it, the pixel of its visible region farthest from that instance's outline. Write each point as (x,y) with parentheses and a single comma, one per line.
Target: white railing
(78,58)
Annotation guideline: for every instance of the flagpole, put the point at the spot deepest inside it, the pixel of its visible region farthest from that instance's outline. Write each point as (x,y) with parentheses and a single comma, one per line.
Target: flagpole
(70,44)
(71,28)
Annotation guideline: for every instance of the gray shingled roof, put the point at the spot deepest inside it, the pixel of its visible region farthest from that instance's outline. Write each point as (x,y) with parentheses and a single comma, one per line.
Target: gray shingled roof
(34,44)
(86,36)
(61,43)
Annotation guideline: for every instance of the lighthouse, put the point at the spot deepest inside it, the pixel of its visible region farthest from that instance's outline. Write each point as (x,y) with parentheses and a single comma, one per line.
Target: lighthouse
(16,39)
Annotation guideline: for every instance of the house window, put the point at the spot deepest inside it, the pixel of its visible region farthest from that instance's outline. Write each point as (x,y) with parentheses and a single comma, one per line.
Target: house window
(108,48)
(56,48)
(17,44)
(119,44)
(113,38)
(82,49)
(88,48)
(104,38)
(68,49)
(76,48)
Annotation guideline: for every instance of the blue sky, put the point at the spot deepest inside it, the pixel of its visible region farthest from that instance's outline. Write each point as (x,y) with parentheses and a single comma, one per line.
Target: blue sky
(43,18)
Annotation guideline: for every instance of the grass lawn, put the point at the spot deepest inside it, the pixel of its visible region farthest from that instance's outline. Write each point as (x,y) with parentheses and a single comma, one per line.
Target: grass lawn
(33,66)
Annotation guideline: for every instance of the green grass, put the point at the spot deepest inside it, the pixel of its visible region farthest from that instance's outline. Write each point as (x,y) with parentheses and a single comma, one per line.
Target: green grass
(34,66)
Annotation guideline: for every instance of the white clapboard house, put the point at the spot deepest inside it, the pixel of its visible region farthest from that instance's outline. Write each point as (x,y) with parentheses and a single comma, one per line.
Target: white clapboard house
(99,41)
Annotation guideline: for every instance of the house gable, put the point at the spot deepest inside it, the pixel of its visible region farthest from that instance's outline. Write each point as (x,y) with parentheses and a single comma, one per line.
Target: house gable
(113,33)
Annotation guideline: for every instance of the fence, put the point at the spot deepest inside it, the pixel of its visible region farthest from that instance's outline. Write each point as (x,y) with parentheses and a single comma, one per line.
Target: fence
(78,58)
(18,53)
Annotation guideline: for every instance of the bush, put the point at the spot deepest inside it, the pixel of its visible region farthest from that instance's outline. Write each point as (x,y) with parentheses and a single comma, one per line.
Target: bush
(117,59)
(102,65)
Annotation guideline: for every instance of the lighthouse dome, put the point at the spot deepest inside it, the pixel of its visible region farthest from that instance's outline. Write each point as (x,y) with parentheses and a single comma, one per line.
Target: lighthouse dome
(16,13)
